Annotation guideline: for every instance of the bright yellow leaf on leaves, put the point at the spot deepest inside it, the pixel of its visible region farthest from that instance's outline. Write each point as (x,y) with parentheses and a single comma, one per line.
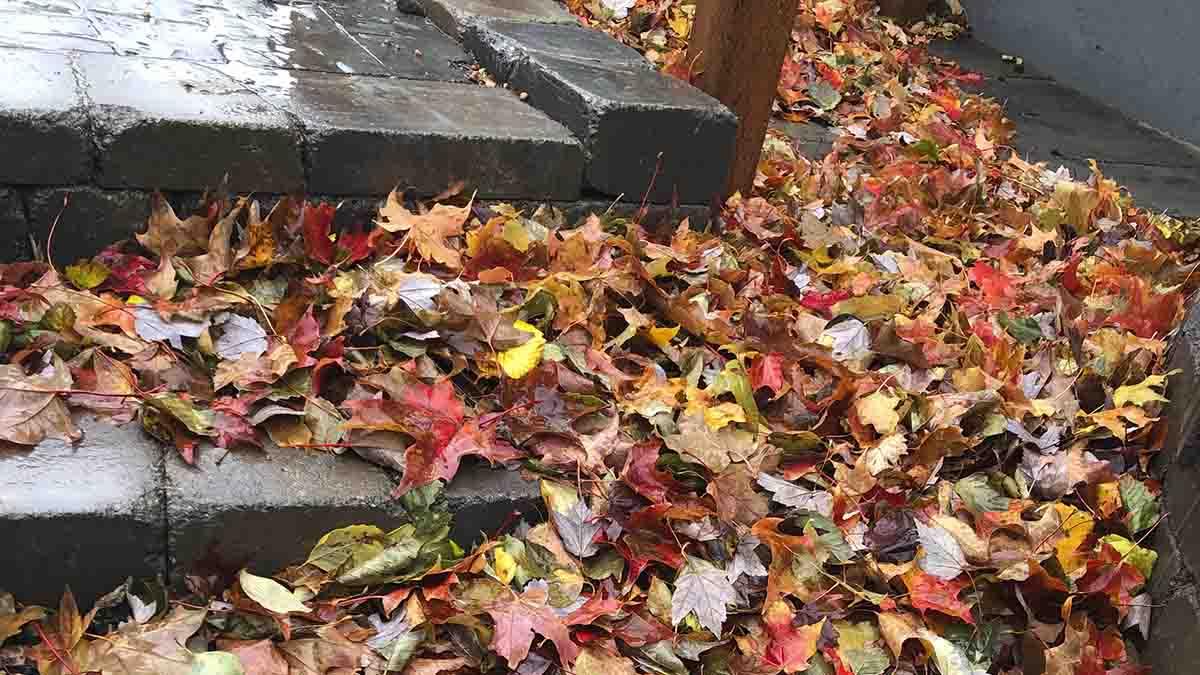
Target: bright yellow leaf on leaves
(519,361)
(1076,526)
(879,411)
(504,565)
(662,337)
(1141,393)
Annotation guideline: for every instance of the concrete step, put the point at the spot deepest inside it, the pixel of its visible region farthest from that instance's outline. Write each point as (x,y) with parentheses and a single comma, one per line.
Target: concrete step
(1061,126)
(120,504)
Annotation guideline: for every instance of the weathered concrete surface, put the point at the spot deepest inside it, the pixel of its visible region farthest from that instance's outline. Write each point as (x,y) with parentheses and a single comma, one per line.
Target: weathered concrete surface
(645,132)
(91,220)
(179,126)
(269,508)
(42,122)
(369,135)
(1137,56)
(88,516)
(14,230)
(1060,126)
(453,16)
(1174,648)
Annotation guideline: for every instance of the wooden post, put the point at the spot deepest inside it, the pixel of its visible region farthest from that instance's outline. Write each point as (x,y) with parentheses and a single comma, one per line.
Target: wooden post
(738,47)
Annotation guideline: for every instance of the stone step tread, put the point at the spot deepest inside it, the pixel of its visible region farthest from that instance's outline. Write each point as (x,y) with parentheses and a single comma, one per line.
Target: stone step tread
(120,504)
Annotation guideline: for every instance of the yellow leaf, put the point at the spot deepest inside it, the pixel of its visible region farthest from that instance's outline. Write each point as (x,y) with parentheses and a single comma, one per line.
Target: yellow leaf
(718,416)
(1108,498)
(559,497)
(505,566)
(271,594)
(662,337)
(1141,393)
(519,361)
(1076,526)
(879,411)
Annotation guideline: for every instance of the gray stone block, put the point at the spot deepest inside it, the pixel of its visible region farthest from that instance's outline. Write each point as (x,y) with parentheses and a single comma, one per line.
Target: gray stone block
(42,121)
(645,132)
(14,230)
(453,16)
(87,515)
(1173,648)
(91,220)
(181,126)
(369,135)
(269,508)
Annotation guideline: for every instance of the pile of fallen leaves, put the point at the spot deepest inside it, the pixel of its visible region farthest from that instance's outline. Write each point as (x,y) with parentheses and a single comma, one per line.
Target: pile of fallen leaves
(891,413)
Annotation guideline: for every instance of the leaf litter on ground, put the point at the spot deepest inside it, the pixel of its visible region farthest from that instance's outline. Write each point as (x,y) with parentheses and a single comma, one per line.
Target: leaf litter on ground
(891,412)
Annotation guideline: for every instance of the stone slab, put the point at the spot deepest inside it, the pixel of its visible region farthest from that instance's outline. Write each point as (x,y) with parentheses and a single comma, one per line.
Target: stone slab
(180,126)
(453,16)
(364,38)
(269,508)
(87,515)
(14,230)
(369,135)
(1054,121)
(42,120)
(645,133)
(91,220)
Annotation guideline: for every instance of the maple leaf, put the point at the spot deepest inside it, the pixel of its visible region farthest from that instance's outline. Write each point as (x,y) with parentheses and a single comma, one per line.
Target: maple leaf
(790,494)
(427,231)
(796,560)
(714,449)
(735,497)
(425,462)
(941,556)
(704,589)
(30,406)
(315,230)
(929,592)
(641,473)
(167,235)
(578,528)
(791,646)
(518,617)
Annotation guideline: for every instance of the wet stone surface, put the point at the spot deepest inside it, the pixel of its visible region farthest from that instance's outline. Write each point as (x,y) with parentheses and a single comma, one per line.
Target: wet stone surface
(176,125)
(86,515)
(369,135)
(42,120)
(639,127)
(453,16)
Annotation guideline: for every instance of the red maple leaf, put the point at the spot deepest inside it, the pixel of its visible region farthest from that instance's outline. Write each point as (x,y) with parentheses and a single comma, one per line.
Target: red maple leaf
(929,592)
(790,647)
(1109,574)
(642,474)
(999,289)
(318,219)
(427,460)
(767,372)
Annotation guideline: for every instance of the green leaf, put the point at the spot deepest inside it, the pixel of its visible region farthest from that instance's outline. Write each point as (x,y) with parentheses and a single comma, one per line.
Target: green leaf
(354,544)
(271,594)
(1141,504)
(87,274)
(216,663)
(5,335)
(979,495)
(1141,558)
(1026,331)
(388,563)
(197,421)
